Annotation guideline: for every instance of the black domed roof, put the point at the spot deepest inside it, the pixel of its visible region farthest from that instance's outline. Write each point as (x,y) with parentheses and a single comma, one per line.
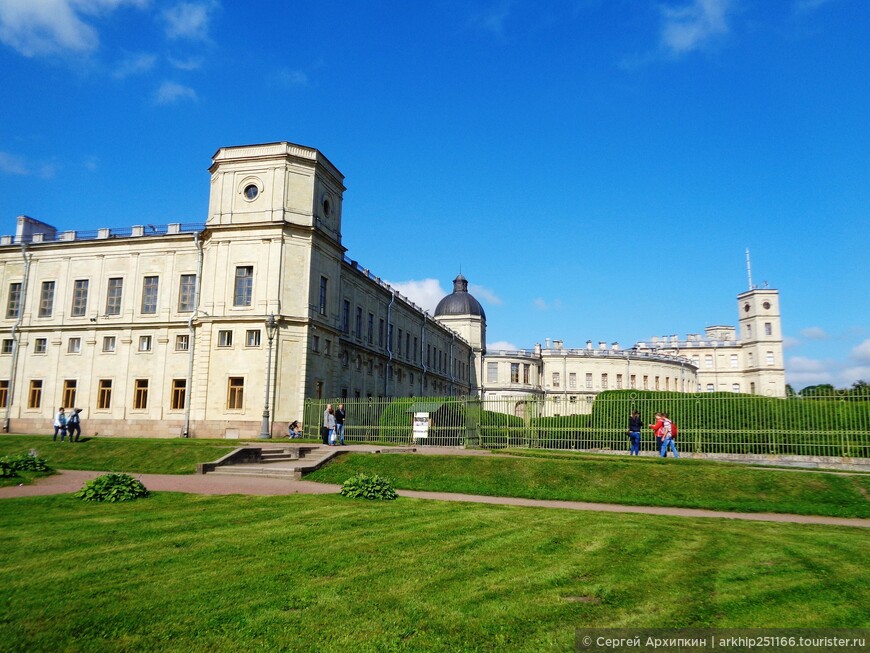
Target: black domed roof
(459,302)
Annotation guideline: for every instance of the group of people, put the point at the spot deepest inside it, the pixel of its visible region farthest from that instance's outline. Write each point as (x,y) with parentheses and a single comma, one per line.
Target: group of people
(332,431)
(664,430)
(68,424)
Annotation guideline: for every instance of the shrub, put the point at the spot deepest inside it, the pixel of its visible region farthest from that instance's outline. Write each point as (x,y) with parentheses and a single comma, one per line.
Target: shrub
(26,462)
(374,487)
(6,470)
(112,487)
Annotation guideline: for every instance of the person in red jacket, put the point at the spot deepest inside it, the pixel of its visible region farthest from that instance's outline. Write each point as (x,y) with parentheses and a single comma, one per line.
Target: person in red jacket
(657,431)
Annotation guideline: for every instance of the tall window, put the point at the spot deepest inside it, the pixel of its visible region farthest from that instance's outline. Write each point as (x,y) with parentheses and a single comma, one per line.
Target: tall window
(69,393)
(515,372)
(149,295)
(588,379)
(371,328)
(186,293)
(104,394)
(734,363)
(114,292)
(140,394)
(235,393)
(557,379)
(358,326)
(345,316)
(13,304)
(769,358)
(34,397)
(604,381)
(46,299)
(4,393)
(380,332)
(492,372)
(80,298)
(526,370)
(572,380)
(244,288)
(321,300)
(619,381)
(179,393)
(768,329)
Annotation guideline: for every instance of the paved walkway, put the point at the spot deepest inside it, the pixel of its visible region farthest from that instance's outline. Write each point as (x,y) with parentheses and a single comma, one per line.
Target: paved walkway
(68,481)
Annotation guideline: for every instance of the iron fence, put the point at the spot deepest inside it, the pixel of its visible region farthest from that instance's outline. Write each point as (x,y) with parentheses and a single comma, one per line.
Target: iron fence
(835,425)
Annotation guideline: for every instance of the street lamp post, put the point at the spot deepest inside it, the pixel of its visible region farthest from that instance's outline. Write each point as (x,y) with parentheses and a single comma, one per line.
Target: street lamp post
(271,329)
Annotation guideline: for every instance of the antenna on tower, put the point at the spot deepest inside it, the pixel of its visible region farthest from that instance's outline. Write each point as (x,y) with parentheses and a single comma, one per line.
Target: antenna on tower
(749,269)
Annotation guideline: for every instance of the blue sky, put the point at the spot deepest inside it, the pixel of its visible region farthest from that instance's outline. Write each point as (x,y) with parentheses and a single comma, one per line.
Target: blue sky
(595,168)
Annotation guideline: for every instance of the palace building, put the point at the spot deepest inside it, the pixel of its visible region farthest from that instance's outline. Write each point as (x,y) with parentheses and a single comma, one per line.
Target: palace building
(224,328)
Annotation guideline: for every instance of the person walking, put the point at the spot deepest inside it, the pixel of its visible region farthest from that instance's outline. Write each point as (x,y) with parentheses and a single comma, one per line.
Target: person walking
(324,428)
(657,431)
(59,424)
(74,425)
(330,425)
(340,416)
(634,426)
(668,433)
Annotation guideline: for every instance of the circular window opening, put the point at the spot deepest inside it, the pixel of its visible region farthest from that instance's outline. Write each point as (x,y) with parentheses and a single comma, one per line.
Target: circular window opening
(766,305)
(251,192)
(746,307)
(327,207)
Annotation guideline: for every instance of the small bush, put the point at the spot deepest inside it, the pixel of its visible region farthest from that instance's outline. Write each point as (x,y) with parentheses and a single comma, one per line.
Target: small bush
(6,470)
(374,487)
(26,462)
(112,487)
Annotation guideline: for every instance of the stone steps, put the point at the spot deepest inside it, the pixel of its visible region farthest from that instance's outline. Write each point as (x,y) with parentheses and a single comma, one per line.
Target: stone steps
(289,461)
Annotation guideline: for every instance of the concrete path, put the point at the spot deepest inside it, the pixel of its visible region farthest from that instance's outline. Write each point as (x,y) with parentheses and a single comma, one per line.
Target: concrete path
(68,481)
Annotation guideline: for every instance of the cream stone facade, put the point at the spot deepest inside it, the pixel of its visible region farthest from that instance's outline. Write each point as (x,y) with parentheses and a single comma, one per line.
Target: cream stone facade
(162,330)
(224,328)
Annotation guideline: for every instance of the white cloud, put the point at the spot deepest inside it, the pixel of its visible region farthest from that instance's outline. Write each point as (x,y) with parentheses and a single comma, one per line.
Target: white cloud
(501,345)
(193,63)
(426,293)
(861,353)
(494,17)
(46,27)
(12,165)
(135,64)
(801,372)
(788,342)
(289,78)
(689,27)
(540,304)
(171,92)
(484,293)
(814,333)
(188,20)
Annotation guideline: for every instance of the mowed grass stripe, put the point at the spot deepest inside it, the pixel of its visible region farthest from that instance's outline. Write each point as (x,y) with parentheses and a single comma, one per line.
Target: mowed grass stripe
(322,573)
(663,482)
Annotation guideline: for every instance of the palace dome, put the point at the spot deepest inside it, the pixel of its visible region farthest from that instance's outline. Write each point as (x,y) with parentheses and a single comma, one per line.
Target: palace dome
(460,301)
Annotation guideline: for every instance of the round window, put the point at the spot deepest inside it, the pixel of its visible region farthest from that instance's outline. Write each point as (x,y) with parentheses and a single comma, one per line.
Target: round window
(766,305)
(251,192)
(327,207)
(746,307)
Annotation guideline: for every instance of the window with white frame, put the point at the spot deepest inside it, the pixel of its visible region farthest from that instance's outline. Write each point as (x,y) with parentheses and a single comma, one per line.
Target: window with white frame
(492,372)
(46,299)
(225,338)
(108,343)
(182,342)
(40,345)
(243,291)
(74,346)
(80,298)
(252,338)
(144,343)
(149,295)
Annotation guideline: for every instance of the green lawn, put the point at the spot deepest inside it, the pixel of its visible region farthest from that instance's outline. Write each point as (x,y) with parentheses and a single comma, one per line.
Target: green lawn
(322,573)
(631,481)
(143,456)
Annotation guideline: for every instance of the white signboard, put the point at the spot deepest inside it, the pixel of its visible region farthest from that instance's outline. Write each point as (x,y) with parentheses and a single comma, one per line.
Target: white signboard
(421,425)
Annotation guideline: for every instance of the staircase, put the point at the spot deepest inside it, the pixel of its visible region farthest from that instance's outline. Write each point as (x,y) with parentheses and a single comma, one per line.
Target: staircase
(289,461)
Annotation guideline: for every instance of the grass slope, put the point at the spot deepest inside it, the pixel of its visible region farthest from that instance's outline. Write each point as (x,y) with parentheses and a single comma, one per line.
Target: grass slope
(635,481)
(144,456)
(321,573)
